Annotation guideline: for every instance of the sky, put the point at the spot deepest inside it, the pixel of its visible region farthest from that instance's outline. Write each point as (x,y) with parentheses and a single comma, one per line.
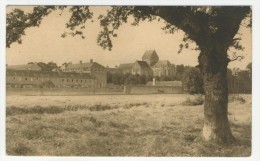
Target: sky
(44,43)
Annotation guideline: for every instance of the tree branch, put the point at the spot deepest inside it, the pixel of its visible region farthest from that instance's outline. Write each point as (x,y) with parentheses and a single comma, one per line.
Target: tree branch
(235,57)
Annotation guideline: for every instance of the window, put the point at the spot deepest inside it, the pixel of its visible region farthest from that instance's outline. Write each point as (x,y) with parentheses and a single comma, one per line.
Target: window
(62,80)
(71,80)
(26,78)
(80,80)
(14,77)
(67,80)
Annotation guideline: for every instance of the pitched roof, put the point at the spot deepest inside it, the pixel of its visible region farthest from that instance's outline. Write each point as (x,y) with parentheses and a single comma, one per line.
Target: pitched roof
(162,63)
(83,65)
(126,66)
(150,54)
(142,64)
(24,67)
(47,74)
(165,83)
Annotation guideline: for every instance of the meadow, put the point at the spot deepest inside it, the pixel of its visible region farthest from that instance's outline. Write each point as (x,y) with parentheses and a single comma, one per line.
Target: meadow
(120,125)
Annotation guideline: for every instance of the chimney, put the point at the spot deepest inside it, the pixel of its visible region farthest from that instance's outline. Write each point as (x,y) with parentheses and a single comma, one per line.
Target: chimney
(91,60)
(80,62)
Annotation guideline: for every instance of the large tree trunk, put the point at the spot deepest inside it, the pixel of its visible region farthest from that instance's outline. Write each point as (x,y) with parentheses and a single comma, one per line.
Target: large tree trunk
(213,61)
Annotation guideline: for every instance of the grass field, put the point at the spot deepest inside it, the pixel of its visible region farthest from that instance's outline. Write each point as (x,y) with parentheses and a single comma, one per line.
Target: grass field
(119,125)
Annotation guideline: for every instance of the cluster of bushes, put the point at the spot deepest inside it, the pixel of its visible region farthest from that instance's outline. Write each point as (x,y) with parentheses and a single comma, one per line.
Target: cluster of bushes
(14,110)
(47,84)
(128,79)
(192,81)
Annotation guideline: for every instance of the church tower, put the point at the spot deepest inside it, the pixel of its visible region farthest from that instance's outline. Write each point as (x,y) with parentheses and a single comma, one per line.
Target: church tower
(151,57)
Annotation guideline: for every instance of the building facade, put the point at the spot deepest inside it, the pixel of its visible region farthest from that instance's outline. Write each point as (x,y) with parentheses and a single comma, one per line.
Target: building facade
(163,68)
(44,79)
(96,70)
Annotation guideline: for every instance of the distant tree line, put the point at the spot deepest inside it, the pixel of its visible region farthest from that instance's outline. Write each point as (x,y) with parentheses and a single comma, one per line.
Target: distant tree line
(239,81)
(45,66)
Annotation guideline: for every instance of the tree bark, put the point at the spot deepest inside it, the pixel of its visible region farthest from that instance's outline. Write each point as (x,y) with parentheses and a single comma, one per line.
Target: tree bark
(213,62)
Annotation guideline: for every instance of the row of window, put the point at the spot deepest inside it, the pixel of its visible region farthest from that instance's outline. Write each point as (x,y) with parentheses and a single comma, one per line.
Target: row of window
(42,79)
(75,69)
(83,69)
(76,80)
(57,86)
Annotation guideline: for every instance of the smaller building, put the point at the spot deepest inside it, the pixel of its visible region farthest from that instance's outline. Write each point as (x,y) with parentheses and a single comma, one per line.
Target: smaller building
(125,68)
(96,70)
(141,68)
(90,67)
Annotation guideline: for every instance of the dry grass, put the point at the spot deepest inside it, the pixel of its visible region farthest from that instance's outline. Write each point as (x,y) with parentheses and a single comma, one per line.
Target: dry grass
(147,125)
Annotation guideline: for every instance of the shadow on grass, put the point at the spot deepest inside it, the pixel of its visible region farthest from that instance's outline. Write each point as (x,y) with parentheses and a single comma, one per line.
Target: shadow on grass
(13,110)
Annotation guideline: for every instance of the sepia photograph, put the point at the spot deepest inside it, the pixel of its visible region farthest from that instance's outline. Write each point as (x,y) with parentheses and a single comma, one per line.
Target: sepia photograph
(128,81)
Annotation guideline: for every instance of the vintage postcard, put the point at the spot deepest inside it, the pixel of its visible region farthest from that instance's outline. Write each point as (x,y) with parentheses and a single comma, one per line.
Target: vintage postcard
(128,81)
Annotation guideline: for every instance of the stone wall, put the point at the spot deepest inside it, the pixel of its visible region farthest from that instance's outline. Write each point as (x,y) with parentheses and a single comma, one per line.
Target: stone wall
(153,89)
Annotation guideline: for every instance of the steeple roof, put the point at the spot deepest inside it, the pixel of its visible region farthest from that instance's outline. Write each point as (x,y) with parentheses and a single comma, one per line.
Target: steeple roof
(150,55)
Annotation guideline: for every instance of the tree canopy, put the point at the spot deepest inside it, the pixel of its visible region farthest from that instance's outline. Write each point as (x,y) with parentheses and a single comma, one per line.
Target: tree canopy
(200,24)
